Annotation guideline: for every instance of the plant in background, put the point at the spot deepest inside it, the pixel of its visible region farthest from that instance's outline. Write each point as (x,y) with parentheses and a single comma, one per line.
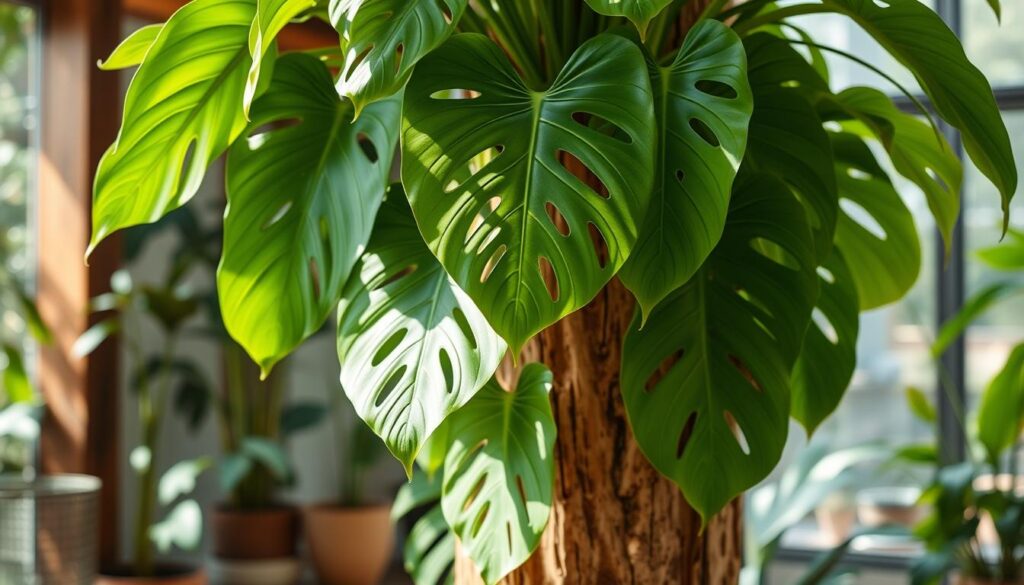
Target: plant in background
(547,148)
(977,522)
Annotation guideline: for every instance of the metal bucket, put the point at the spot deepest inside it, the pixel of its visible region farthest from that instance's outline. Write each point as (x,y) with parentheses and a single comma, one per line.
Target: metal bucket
(49,530)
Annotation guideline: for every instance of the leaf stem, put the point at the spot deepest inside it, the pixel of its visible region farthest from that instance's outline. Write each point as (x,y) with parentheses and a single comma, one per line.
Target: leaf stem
(774,16)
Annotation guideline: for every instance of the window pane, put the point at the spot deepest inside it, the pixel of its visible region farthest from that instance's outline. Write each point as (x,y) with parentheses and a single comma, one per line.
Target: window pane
(998,50)
(19,63)
(991,338)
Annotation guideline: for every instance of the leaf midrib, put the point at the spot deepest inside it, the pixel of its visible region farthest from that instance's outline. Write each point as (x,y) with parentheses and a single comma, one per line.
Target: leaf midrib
(537,103)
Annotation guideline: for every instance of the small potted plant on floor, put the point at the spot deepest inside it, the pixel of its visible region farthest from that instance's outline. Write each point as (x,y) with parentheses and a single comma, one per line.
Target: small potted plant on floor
(159,380)
(351,540)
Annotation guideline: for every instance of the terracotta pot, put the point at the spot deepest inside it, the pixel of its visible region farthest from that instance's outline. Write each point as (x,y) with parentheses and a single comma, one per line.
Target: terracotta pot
(269,533)
(350,546)
(889,505)
(165,575)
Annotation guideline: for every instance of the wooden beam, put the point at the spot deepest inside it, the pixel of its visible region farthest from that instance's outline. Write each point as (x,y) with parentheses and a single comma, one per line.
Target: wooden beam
(80,106)
(313,34)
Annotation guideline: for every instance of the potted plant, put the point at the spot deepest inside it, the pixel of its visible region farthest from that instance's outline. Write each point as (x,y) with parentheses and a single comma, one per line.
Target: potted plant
(351,539)
(642,196)
(976,528)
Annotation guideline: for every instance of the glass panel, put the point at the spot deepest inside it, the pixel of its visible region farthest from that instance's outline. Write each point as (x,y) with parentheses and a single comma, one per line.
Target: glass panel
(19,65)
(998,50)
(991,338)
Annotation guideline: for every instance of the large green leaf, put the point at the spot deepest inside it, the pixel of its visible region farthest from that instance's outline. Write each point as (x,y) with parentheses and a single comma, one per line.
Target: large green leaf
(920,40)
(499,473)
(271,17)
(786,137)
(639,12)
(384,39)
(704,104)
(183,109)
(413,347)
(876,231)
(303,191)
(429,551)
(918,151)
(707,381)
(829,355)
(1002,407)
(524,215)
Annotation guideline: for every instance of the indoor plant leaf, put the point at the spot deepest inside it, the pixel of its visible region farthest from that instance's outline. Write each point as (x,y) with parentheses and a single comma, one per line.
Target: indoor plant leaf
(919,39)
(413,347)
(301,204)
(133,49)
(499,473)
(977,305)
(17,388)
(704,104)
(385,39)
(271,17)
(829,354)
(429,551)
(1007,255)
(1002,407)
(182,110)
(917,151)
(876,231)
(706,380)
(639,12)
(524,217)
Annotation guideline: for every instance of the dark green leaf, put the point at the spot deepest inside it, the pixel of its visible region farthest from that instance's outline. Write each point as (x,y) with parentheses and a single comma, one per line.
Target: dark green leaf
(413,347)
(501,233)
(1002,407)
(301,202)
(707,381)
(704,104)
(268,453)
(170,307)
(233,469)
(301,416)
(639,12)
(192,400)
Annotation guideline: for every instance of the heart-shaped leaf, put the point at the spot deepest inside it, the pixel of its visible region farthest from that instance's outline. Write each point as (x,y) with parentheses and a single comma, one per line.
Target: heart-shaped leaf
(183,109)
(876,231)
(499,473)
(523,235)
(413,347)
(133,49)
(303,191)
(920,40)
(271,17)
(829,354)
(704,105)
(707,381)
(385,39)
(639,12)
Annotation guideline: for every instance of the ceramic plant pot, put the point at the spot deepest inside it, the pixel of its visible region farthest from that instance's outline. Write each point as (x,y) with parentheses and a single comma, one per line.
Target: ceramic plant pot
(255,546)
(165,575)
(350,546)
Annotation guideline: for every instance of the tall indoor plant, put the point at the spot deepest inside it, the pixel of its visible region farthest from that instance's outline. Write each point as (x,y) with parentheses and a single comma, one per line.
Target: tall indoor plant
(687,148)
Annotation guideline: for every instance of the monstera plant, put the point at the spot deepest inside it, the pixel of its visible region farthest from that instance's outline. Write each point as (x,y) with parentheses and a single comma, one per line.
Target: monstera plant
(653,212)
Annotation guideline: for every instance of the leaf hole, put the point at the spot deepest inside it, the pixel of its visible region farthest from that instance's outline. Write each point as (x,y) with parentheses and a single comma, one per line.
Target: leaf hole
(716,88)
(278,216)
(824,324)
(354,63)
(460,175)
(455,94)
(826,275)
(602,126)
(881,3)
(389,386)
(522,490)
(547,272)
(600,245)
(446,370)
(745,372)
(855,173)
(492,263)
(737,432)
(481,516)
(663,369)
(446,11)
(475,492)
(557,219)
(399,55)
(579,170)
(388,347)
(314,278)
(775,253)
(685,435)
(408,270)
(260,134)
(487,208)
(368,147)
(680,175)
(863,218)
(463,323)
(704,131)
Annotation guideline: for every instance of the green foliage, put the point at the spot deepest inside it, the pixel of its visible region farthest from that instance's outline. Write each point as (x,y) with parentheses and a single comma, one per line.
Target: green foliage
(639,12)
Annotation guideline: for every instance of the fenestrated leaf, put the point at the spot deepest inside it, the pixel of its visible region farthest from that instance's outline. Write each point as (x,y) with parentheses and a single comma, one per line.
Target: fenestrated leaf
(301,204)
(1002,407)
(385,39)
(707,381)
(183,109)
(876,231)
(271,17)
(639,12)
(829,355)
(413,347)
(918,151)
(499,473)
(502,231)
(133,49)
(920,40)
(704,104)
(786,137)
(429,551)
